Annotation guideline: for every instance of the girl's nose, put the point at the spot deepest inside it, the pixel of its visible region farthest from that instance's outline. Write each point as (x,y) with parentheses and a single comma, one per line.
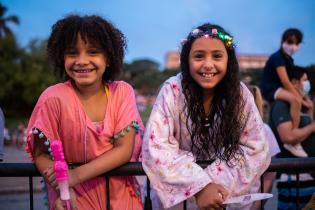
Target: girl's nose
(82,59)
(208,64)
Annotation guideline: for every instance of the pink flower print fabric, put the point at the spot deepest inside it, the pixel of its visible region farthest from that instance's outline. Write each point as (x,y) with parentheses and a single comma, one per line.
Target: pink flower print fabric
(171,166)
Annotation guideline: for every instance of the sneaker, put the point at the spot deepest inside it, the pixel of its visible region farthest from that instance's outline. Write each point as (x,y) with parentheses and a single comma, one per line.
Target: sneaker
(296,150)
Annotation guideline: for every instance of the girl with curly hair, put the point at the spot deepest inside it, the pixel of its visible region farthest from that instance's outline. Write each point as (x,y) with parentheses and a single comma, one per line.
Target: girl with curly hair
(206,114)
(94,116)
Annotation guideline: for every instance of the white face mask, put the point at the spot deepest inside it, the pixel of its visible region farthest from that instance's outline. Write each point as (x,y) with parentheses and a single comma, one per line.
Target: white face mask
(290,49)
(306,86)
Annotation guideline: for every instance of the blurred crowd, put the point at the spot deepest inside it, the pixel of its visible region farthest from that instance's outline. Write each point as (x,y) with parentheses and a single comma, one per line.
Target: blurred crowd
(16,136)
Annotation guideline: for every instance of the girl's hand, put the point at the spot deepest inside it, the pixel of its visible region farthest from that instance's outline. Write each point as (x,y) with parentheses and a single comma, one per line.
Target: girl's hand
(49,175)
(212,196)
(62,205)
(73,177)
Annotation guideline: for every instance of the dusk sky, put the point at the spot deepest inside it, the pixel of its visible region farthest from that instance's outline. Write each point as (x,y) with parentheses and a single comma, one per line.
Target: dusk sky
(154,27)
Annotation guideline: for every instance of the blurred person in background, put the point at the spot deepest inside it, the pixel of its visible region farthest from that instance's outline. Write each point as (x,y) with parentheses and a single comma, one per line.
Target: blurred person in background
(281,123)
(19,135)
(275,84)
(1,135)
(268,177)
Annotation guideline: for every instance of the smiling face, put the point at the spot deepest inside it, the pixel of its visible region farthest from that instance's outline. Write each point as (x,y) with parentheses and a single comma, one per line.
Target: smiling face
(208,60)
(85,63)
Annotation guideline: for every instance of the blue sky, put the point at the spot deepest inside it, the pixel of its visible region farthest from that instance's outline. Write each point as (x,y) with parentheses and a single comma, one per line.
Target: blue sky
(153,27)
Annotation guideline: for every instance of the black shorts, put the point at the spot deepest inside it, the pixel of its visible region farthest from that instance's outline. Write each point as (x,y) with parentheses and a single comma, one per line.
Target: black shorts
(269,96)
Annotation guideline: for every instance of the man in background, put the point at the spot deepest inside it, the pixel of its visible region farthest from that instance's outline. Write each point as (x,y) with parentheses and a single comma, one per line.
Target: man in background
(1,135)
(281,123)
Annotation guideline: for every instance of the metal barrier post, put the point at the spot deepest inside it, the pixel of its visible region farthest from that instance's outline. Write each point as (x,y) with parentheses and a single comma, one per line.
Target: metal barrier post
(30,184)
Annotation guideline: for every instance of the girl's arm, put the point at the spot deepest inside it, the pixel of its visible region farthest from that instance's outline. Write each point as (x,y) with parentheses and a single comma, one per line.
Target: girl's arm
(43,161)
(290,135)
(119,155)
(239,176)
(282,73)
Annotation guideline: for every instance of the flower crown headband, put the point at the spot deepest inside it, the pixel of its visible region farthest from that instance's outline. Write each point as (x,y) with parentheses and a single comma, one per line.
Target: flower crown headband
(213,33)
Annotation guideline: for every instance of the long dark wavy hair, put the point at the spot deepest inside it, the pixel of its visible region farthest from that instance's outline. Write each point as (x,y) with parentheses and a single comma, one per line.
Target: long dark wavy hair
(93,29)
(221,139)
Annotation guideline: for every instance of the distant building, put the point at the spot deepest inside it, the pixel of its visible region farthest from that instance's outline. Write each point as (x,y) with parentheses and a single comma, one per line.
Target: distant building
(172,59)
(251,61)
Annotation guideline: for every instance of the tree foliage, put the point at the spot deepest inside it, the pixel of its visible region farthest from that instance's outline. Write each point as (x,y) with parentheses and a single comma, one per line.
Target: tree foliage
(5,30)
(25,73)
(145,76)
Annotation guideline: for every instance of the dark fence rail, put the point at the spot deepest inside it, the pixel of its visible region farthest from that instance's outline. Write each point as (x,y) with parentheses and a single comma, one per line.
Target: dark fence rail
(29,169)
(287,165)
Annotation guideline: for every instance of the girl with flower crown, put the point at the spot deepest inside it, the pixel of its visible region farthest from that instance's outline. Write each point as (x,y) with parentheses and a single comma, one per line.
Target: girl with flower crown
(94,116)
(206,114)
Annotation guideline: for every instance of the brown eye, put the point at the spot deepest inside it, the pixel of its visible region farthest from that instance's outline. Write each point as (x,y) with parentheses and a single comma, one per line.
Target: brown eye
(217,55)
(71,52)
(198,56)
(94,51)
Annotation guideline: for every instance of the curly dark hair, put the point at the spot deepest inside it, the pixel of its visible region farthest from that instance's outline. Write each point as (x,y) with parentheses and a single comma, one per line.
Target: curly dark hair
(221,139)
(93,29)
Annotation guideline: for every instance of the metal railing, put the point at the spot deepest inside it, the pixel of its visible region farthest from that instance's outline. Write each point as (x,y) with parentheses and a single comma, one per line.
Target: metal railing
(287,165)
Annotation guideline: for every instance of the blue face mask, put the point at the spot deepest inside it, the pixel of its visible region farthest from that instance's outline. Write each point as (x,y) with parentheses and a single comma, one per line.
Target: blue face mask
(306,87)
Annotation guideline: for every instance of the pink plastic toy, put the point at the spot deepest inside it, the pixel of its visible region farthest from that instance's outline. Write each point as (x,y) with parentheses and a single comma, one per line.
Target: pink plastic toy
(61,171)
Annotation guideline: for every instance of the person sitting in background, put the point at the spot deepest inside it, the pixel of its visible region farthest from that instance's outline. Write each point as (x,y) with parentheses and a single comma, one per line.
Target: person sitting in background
(1,135)
(19,135)
(6,136)
(268,177)
(281,124)
(275,84)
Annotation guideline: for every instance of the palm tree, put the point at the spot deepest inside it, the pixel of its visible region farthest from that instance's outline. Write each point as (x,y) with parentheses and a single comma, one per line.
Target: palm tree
(4,29)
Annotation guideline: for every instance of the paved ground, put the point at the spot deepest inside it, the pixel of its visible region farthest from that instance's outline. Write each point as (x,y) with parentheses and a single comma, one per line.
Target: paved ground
(14,190)
(21,201)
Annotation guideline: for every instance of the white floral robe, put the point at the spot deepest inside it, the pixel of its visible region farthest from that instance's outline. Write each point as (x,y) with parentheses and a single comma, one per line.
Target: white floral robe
(171,166)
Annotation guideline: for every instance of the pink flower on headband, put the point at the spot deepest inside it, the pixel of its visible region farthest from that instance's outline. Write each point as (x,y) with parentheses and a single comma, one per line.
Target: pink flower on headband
(214,31)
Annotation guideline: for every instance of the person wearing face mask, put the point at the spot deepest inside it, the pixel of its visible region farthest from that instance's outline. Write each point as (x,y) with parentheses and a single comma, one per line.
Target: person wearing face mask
(281,124)
(275,84)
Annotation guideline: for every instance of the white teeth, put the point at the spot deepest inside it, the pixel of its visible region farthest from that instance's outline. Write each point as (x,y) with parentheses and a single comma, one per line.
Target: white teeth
(207,75)
(83,71)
